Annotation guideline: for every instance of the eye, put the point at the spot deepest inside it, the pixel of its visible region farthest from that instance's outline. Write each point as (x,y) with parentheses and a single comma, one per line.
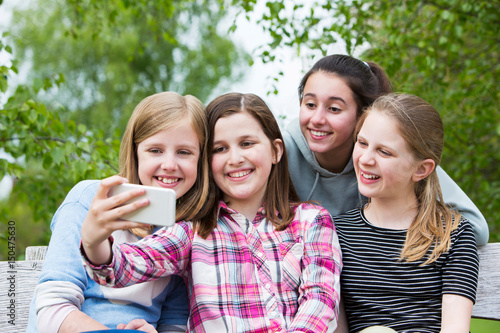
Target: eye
(219,149)
(334,109)
(247,144)
(155,151)
(310,105)
(362,143)
(184,152)
(385,152)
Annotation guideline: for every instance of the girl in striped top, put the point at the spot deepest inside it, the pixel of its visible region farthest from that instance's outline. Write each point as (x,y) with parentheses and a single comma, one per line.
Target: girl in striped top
(259,261)
(410,263)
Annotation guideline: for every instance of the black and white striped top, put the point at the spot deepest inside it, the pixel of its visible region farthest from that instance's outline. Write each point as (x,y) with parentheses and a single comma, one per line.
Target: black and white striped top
(377,289)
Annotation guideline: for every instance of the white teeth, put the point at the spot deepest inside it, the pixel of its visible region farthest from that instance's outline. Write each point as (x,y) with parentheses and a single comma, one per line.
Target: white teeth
(318,133)
(239,174)
(168,180)
(369,176)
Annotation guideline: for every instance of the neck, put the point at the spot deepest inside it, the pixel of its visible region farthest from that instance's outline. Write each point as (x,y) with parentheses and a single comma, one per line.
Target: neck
(391,214)
(335,160)
(245,208)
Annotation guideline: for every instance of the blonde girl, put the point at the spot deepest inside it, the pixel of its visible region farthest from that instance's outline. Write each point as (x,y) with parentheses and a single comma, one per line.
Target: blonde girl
(410,262)
(163,145)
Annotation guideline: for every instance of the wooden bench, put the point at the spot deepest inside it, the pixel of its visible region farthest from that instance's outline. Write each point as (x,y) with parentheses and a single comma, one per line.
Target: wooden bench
(24,274)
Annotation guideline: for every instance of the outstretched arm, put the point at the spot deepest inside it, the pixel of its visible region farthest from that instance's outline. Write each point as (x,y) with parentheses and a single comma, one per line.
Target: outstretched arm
(104,217)
(455,197)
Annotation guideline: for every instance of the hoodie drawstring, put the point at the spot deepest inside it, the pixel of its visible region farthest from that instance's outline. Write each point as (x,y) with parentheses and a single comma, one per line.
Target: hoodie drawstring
(314,186)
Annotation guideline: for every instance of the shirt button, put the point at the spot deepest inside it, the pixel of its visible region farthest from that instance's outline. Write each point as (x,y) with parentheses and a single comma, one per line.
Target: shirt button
(268,286)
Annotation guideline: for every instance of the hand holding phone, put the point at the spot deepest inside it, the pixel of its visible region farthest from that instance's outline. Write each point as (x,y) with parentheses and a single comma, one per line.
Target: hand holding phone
(161,208)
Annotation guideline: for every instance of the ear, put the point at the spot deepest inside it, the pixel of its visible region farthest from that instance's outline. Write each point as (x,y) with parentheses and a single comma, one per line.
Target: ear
(278,150)
(423,170)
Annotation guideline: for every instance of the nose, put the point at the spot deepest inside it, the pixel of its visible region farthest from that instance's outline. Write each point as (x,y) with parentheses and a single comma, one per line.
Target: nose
(366,157)
(169,163)
(235,157)
(318,116)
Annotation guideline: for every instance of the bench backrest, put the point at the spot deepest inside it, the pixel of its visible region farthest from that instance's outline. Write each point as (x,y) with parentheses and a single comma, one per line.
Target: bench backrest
(20,279)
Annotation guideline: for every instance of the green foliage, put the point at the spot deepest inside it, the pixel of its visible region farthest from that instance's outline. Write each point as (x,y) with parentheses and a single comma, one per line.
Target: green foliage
(90,62)
(45,155)
(93,61)
(445,51)
(114,53)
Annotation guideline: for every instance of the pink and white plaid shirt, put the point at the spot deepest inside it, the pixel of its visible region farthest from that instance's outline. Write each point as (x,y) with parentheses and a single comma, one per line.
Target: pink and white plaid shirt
(246,276)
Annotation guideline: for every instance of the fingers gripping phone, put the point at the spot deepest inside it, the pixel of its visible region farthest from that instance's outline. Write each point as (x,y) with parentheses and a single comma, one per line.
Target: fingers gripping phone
(161,208)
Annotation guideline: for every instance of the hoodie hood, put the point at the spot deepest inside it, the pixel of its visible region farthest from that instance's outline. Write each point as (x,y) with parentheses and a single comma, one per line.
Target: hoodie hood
(337,192)
(293,130)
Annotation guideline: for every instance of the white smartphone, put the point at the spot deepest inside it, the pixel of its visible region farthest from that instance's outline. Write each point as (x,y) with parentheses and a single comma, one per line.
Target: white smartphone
(161,208)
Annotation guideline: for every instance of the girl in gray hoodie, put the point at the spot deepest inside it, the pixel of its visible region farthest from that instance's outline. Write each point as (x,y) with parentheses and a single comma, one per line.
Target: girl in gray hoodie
(333,95)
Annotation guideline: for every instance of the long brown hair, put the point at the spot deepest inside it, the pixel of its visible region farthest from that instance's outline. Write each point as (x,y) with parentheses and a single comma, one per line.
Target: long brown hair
(422,128)
(152,115)
(280,193)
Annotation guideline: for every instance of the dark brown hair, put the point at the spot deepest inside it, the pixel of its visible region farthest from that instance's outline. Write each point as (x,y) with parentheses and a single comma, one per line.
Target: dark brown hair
(280,193)
(367,80)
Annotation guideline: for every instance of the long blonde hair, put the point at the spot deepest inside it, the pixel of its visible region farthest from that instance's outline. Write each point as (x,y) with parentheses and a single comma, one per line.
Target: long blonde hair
(156,113)
(421,127)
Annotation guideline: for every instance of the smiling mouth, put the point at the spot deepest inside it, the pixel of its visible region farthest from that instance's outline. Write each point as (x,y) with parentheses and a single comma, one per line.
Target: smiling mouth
(168,180)
(239,174)
(319,133)
(367,176)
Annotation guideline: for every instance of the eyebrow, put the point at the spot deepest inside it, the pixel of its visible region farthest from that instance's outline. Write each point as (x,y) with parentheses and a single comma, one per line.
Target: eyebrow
(331,98)
(243,137)
(162,145)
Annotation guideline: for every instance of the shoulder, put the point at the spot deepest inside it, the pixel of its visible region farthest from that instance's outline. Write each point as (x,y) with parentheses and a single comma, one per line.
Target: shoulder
(312,213)
(83,192)
(179,230)
(350,223)
(351,216)
(463,231)
(77,201)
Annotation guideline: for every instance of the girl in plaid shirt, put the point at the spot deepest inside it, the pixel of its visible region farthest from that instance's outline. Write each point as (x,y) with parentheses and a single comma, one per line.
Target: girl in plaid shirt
(258,261)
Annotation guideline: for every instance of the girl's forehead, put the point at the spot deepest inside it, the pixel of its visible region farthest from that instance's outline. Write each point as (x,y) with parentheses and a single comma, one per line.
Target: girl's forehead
(238,124)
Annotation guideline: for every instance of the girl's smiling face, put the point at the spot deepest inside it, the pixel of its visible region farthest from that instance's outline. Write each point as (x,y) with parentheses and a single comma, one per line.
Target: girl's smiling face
(328,115)
(385,167)
(242,159)
(169,158)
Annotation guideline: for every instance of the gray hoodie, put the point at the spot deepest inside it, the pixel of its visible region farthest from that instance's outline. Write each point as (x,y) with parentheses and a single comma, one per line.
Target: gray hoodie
(338,192)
